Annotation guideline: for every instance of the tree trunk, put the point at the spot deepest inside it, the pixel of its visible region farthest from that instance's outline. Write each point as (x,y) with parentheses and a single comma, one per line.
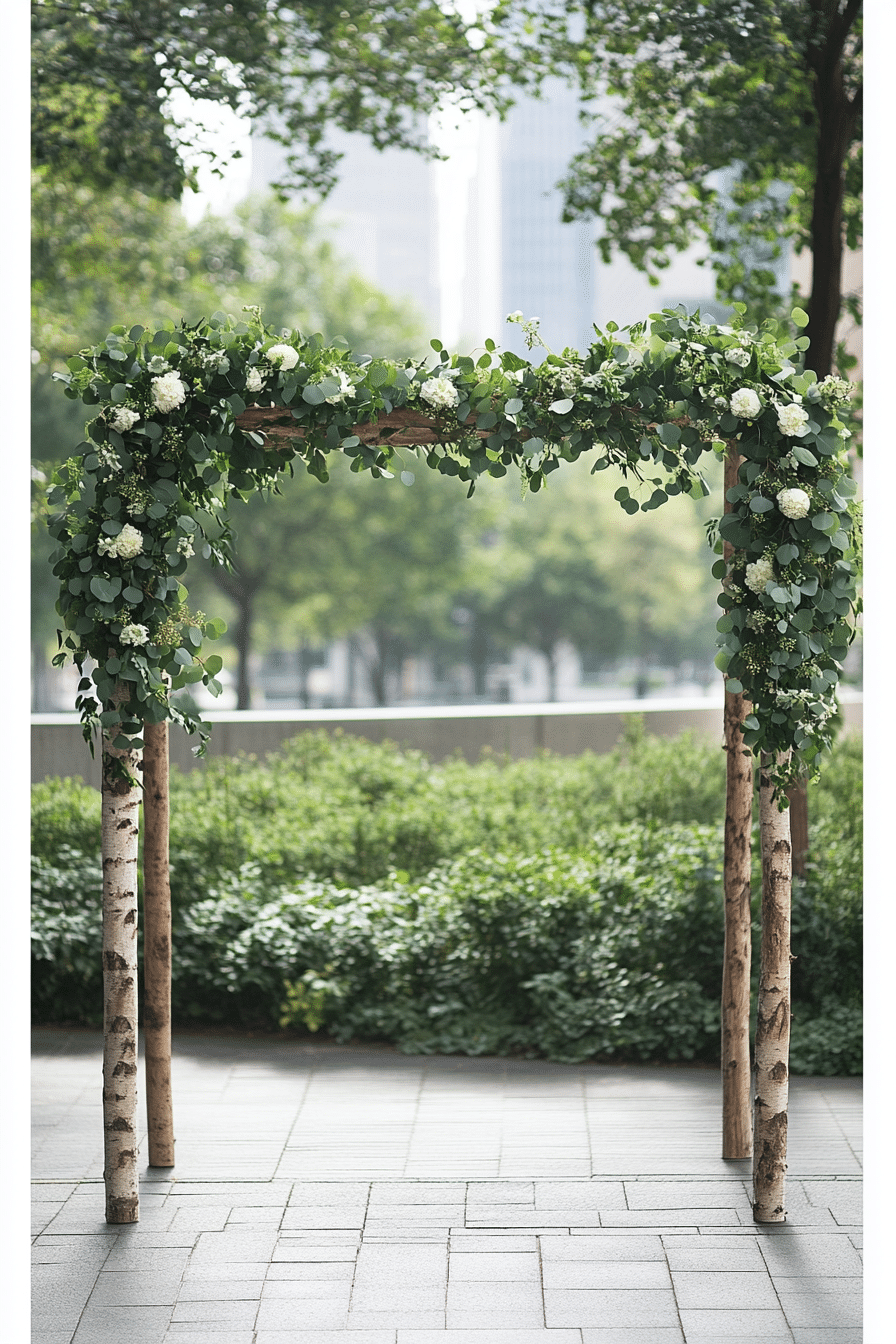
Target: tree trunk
(773,1022)
(737,1128)
(157,946)
(120,830)
(242,638)
(551,659)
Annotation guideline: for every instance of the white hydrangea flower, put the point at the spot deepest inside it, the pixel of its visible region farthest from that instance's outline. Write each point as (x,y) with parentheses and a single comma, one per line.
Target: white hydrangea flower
(168,392)
(346,388)
(738,356)
(254,380)
(438,392)
(122,418)
(125,546)
(793,503)
(760,574)
(283,357)
(185,547)
(134,634)
(792,420)
(745,404)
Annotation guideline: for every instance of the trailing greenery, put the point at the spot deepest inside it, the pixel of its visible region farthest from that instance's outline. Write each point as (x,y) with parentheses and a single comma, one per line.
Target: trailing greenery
(166,450)
(362,890)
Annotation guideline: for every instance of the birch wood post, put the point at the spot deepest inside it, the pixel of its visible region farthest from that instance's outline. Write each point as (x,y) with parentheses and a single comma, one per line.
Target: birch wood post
(157,945)
(773,1023)
(120,829)
(737,1127)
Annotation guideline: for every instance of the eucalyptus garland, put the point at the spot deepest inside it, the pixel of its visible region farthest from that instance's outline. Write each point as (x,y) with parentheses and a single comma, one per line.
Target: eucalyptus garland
(165,451)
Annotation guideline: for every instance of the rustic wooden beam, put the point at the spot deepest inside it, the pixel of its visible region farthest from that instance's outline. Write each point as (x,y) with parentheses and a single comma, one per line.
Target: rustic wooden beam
(402,427)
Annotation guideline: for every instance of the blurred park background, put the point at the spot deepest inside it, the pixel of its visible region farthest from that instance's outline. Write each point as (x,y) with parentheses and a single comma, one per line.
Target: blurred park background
(560,596)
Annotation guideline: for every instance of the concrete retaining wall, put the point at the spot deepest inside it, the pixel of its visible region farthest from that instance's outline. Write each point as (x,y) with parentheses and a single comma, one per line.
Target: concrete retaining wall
(57,747)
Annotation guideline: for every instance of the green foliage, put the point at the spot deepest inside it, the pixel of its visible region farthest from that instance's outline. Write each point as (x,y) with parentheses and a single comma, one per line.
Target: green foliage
(762,95)
(500,907)
(653,406)
(103,74)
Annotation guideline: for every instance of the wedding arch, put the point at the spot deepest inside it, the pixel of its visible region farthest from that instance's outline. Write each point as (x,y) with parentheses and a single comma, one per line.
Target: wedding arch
(187,417)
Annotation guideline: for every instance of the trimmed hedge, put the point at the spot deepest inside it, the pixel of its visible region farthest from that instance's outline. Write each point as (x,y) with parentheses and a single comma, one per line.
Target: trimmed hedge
(467,932)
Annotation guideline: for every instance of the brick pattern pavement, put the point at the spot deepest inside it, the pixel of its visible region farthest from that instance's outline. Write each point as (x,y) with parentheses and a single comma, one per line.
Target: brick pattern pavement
(402,1200)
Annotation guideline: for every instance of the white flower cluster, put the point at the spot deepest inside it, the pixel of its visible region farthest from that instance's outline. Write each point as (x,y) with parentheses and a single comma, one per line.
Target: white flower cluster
(158,365)
(125,546)
(793,503)
(185,547)
(745,404)
(738,356)
(215,360)
(168,392)
(108,457)
(792,420)
(441,394)
(122,418)
(283,357)
(134,634)
(346,388)
(834,391)
(254,380)
(760,574)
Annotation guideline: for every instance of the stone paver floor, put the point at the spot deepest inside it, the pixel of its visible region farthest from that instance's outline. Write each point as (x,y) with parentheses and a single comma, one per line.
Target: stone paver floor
(403,1199)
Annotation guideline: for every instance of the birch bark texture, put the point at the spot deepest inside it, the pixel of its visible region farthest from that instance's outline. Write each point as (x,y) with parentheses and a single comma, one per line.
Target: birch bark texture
(120,831)
(737,1125)
(773,1018)
(157,945)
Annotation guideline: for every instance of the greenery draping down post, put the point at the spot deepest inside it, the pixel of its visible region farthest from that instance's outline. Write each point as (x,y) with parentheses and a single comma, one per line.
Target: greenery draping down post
(175,435)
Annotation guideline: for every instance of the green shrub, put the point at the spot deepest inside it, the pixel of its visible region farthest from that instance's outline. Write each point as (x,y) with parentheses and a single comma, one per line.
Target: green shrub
(491,908)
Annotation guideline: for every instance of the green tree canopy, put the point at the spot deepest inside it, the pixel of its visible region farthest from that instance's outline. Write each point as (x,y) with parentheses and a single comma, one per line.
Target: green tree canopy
(675,92)
(104,74)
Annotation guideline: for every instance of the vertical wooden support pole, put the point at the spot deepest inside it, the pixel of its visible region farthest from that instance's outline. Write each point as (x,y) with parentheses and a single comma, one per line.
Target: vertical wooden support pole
(120,830)
(157,946)
(773,1021)
(737,1127)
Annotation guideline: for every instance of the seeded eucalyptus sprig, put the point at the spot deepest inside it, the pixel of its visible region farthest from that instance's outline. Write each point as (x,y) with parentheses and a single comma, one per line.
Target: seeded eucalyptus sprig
(166,449)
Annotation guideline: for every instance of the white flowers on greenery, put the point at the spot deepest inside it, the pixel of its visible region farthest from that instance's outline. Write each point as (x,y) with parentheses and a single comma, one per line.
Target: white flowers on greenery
(168,392)
(745,404)
(739,357)
(158,365)
(283,357)
(254,380)
(441,394)
(346,388)
(760,574)
(122,418)
(134,634)
(185,547)
(793,503)
(125,546)
(792,420)
(529,325)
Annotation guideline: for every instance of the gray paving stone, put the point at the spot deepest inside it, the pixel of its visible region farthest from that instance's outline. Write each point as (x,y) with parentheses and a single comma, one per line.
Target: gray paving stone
(497,1242)
(220,1290)
(127,1259)
(746,1256)
(294,1290)
(491,1266)
(336,1271)
(102,1325)
(688,1195)
(303,1336)
(304,1313)
(235,1313)
(400,1298)
(726,1324)
(579,1306)
(807,1256)
(616,1274)
(488,1335)
(838,1335)
(602,1248)
(829,1310)
(752,1289)
(394,1320)
(145,1288)
(622,1334)
(186,1333)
